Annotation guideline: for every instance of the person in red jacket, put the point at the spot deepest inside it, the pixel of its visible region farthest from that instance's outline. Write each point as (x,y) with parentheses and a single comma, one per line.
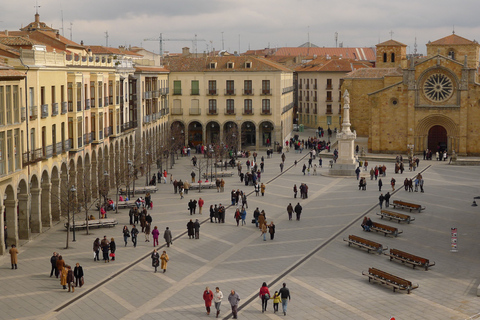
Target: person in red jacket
(265,296)
(200,204)
(208,297)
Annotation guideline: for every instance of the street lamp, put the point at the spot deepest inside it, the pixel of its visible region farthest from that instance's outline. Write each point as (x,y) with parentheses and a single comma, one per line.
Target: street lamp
(172,159)
(148,168)
(130,164)
(73,190)
(105,177)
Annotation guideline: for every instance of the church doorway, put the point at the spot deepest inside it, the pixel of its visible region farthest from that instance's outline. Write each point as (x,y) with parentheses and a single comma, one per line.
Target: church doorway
(437,139)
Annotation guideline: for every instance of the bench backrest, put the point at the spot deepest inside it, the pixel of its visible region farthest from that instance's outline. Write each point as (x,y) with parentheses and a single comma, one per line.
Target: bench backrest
(409,256)
(384,227)
(367,242)
(396,214)
(390,277)
(406,204)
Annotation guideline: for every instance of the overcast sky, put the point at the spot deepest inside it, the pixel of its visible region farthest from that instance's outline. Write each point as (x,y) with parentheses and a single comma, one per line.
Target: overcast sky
(253,24)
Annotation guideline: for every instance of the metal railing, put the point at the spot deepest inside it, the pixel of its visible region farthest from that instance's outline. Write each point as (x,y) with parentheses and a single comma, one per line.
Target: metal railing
(287,89)
(64,107)
(212,92)
(230,111)
(230,92)
(195,111)
(33,112)
(23,115)
(44,109)
(266,92)
(87,104)
(247,92)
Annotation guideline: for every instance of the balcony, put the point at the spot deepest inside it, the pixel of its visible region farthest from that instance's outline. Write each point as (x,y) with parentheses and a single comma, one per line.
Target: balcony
(79,106)
(195,111)
(117,99)
(147,95)
(87,104)
(54,109)
(266,92)
(212,92)
(24,113)
(307,86)
(300,98)
(315,87)
(147,119)
(314,99)
(177,111)
(212,112)
(195,92)
(230,92)
(177,92)
(58,149)
(328,99)
(307,98)
(266,112)
(247,92)
(287,90)
(92,102)
(33,112)
(64,107)
(100,135)
(33,156)
(230,111)
(288,107)
(300,87)
(165,91)
(307,110)
(68,145)
(247,112)
(328,87)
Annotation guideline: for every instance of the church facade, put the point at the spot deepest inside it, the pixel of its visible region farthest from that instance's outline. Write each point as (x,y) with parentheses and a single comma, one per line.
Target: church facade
(431,102)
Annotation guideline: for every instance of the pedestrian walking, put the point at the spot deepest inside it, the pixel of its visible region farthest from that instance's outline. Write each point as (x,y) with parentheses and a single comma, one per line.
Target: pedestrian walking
(243,215)
(167,235)
(63,277)
(295,191)
(257,189)
(200,205)
(147,232)
(271,230)
(265,296)
(105,245)
(78,274)
(217,299)
(164,258)
(155,259)
(134,234)
(276,300)
(256,216)
(190,229)
(380,184)
(289,211)
(196,227)
(155,235)
(53,262)
(264,230)
(113,248)
(13,256)
(392,182)
(380,200)
(298,211)
(234,299)
(70,279)
(285,296)
(96,249)
(126,234)
(262,189)
(208,297)
(281,166)
(60,265)
(387,199)
(5,236)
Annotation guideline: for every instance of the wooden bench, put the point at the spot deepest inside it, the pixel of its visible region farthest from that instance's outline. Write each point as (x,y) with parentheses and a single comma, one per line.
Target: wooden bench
(407,205)
(126,204)
(220,174)
(409,258)
(204,185)
(389,279)
(365,243)
(101,223)
(395,215)
(378,227)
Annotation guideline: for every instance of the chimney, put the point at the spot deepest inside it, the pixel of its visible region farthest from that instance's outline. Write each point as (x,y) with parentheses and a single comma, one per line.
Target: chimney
(37,18)
(6,33)
(81,42)
(58,35)
(185,51)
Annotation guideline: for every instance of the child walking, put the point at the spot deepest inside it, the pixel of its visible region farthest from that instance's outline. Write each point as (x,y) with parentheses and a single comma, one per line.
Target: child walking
(276,300)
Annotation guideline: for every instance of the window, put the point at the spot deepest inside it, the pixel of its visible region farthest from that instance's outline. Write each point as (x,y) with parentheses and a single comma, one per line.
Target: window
(16,107)
(329,120)
(230,65)
(248,65)
(110,92)
(451,54)
(100,94)
(230,106)
(8,98)
(10,151)
(266,106)
(92,94)
(329,109)
(212,106)
(392,57)
(177,87)
(2,152)
(2,111)
(213,65)
(265,86)
(247,87)
(329,84)
(315,84)
(247,106)
(384,57)
(195,87)
(230,88)
(329,96)
(212,87)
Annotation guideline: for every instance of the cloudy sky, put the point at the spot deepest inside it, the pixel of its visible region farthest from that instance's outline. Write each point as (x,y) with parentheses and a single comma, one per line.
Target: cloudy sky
(245,24)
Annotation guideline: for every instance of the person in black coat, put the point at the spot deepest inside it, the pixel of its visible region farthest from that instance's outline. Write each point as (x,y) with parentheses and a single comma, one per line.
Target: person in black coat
(298,211)
(196,227)
(53,261)
(155,259)
(78,274)
(190,229)
(113,248)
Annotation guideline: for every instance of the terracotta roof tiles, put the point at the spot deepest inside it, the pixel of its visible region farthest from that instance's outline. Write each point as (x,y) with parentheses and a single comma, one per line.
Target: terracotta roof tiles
(375,73)
(184,64)
(391,43)
(452,39)
(358,53)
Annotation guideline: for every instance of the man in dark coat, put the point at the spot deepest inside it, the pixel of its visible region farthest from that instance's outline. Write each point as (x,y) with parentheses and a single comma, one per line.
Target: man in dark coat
(380,200)
(167,235)
(289,211)
(298,211)
(196,226)
(53,261)
(190,229)
(387,199)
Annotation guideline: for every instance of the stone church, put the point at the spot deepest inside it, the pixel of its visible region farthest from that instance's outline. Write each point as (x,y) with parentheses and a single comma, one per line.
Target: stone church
(429,102)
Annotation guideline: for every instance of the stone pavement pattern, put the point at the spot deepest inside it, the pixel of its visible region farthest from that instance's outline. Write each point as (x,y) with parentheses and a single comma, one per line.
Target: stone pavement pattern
(327,285)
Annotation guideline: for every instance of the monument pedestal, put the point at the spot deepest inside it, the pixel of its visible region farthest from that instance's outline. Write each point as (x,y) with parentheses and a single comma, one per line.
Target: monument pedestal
(342,169)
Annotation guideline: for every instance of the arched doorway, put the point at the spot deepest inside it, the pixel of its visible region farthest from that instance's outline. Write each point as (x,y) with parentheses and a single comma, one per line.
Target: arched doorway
(213,133)
(248,134)
(437,138)
(195,134)
(266,128)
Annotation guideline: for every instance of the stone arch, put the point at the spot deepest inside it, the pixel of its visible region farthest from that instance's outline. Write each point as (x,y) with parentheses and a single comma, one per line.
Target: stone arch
(35,202)
(55,194)
(46,213)
(248,133)
(10,216)
(424,126)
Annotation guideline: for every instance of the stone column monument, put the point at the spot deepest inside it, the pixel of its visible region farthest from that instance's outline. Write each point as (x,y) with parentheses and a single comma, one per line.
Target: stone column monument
(346,162)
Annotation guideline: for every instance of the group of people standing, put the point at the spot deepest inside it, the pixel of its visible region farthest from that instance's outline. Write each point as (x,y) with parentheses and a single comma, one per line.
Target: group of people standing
(108,249)
(72,278)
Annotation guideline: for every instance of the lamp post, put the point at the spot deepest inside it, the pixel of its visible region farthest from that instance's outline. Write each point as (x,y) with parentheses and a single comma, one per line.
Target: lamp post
(172,159)
(148,168)
(72,191)
(130,164)
(105,193)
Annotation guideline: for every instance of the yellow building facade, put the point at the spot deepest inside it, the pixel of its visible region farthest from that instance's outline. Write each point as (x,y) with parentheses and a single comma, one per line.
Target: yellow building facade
(427,103)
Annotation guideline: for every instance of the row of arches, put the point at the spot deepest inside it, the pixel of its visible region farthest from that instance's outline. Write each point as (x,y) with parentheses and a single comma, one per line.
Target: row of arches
(35,201)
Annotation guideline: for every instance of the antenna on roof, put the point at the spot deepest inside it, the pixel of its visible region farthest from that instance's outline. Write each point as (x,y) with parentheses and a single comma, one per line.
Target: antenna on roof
(71,28)
(308,36)
(415,47)
(336,39)
(391,34)
(223,43)
(61,13)
(106,38)
(453,31)
(36,6)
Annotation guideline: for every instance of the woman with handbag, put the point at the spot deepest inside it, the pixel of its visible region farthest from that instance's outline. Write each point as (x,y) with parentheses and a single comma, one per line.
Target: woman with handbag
(78,274)
(70,279)
(113,248)
(164,258)
(126,234)
(155,259)
(265,296)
